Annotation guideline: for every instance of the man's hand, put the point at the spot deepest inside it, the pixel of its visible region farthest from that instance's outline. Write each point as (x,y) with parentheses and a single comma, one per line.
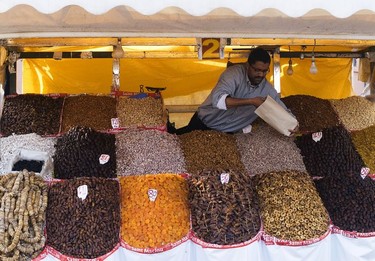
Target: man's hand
(257,101)
(294,131)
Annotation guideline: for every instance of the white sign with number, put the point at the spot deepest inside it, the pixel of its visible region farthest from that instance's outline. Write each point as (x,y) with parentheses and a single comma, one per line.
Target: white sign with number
(152,194)
(224,178)
(82,192)
(115,123)
(364,172)
(103,159)
(317,136)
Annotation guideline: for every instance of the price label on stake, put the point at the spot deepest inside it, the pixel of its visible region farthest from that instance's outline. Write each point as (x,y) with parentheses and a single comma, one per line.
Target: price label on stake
(152,194)
(82,192)
(364,172)
(224,178)
(103,159)
(317,136)
(115,123)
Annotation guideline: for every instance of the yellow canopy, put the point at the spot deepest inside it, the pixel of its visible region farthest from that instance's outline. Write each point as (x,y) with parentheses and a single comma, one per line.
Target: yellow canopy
(188,81)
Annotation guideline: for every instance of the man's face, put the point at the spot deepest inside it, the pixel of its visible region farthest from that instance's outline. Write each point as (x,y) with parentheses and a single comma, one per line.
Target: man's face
(257,72)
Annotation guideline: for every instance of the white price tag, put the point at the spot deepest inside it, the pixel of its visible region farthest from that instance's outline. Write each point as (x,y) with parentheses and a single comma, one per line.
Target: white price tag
(82,192)
(103,159)
(317,136)
(364,172)
(152,194)
(115,123)
(247,129)
(224,178)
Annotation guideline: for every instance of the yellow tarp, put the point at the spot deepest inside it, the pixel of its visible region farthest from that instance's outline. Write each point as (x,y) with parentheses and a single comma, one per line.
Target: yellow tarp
(331,82)
(188,81)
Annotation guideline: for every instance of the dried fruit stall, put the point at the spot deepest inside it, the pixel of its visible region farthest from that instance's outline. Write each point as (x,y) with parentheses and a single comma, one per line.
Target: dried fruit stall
(132,190)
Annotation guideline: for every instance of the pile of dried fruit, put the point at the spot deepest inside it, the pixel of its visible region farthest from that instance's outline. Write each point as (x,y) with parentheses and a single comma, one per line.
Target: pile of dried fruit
(148,152)
(329,152)
(224,207)
(355,112)
(143,112)
(313,114)
(210,150)
(290,206)
(364,142)
(350,201)
(84,152)
(154,210)
(31,113)
(22,215)
(94,111)
(83,217)
(267,150)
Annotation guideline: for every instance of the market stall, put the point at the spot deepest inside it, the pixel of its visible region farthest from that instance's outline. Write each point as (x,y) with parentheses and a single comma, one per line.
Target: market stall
(137,192)
(119,187)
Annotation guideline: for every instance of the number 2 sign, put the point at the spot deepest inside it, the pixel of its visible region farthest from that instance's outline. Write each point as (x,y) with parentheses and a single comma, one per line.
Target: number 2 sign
(211,48)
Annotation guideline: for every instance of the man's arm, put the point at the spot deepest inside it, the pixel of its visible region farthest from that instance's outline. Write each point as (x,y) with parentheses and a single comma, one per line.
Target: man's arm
(235,102)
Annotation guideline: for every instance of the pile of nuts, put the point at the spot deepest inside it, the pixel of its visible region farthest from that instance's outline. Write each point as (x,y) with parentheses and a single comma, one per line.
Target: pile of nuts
(267,150)
(364,142)
(210,150)
(84,152)
(90,111)
(22,215)
(350,201)
(224,207)
(31,113)
(332,154)
(290,206)
(154,210)
(140,112)
(83,217)
(313,114)
(355,112)
(148,152)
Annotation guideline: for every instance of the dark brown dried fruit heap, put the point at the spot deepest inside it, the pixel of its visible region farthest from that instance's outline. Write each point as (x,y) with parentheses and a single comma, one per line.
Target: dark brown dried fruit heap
(350,201)
(83,228)
(210,150)
(31,113)
(89,111)
(223,214)
(333,154)
(291,208)
(313,114)
(78,154)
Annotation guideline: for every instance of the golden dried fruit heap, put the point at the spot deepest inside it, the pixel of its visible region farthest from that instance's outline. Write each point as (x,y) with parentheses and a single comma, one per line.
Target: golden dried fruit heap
(154,210)
(290,206)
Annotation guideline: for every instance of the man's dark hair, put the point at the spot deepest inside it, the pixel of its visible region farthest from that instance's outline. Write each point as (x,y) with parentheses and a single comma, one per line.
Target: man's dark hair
(259,54)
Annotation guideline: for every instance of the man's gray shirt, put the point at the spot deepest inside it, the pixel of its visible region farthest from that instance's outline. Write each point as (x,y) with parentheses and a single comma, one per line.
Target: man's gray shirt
(234,82)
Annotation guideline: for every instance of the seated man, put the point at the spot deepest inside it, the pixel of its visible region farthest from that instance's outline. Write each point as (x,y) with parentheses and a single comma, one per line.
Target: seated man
(231,104)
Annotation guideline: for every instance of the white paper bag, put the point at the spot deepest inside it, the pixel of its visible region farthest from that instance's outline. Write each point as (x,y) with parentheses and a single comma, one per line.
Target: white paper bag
(276,116)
